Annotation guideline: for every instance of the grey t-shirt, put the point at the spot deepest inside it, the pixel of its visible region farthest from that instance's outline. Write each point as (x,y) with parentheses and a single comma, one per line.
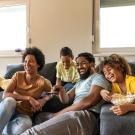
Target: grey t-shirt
(82,88)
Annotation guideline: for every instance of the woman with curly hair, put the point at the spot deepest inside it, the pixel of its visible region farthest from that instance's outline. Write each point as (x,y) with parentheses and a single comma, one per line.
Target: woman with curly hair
(21,99)
(116,70)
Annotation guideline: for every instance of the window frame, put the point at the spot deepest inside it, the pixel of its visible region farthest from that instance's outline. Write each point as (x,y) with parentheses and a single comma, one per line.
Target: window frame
(96,32)
(12,53)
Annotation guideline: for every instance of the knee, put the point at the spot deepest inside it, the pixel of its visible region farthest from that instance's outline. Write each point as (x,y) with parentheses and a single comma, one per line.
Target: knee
(71,115)
(26,122)
(23,124)
(9,102)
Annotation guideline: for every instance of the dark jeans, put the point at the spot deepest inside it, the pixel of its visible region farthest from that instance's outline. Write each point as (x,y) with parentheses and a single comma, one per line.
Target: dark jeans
(67,85)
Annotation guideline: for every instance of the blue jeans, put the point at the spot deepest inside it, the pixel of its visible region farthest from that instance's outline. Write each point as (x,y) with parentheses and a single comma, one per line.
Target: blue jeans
(67,85)
(12,123)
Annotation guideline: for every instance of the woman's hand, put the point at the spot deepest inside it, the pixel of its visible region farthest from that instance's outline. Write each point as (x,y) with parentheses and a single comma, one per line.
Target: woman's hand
(120,109)
(106,95)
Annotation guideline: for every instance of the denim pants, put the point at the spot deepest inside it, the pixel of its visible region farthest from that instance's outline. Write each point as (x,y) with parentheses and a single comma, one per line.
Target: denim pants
(69,123)
(12,123)
(67,85)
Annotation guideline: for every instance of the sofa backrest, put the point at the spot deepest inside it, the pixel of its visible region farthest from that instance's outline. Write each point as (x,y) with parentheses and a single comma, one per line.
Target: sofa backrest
(132,65)
(48,71)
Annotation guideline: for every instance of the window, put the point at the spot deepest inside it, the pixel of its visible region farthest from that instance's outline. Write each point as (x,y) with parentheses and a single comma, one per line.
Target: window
(12,26)
(116,26)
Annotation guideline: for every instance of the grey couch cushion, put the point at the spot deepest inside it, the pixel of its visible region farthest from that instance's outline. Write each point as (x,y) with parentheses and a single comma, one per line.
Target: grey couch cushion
(111,124)
(11,69)
(49,72)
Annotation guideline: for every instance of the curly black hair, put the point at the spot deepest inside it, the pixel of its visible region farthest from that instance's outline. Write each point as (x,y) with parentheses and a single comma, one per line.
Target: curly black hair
(115,61)
(66,51)
(37,53)
(88,56)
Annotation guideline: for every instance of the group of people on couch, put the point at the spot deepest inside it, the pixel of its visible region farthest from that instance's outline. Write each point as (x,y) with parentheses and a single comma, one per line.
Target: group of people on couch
(22,97)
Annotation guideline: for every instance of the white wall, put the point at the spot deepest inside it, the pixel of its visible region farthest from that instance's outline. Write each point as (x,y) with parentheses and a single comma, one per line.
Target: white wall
(57,23)
(54,24)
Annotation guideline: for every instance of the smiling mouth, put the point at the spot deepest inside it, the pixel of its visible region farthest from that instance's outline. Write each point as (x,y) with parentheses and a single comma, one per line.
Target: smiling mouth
(82,71)
(111,77)
(28,69)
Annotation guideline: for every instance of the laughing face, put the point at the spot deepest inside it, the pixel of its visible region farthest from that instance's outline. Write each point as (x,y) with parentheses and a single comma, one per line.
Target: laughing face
(112,74)
(30,64)
(84,67)
(66,61)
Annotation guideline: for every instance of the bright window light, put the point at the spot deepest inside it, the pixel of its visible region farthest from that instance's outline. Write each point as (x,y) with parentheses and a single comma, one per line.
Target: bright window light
(117,27)
(12,27)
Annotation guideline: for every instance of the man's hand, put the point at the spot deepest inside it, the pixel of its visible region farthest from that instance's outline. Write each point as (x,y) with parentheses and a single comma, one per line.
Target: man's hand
(64,97)
(57,89)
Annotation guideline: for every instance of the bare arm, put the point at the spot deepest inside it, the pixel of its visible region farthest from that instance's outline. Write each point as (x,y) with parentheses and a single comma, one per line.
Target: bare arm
(9,92)
(64,96)
(122,109)
(58,81)
(106,95)
(88,101)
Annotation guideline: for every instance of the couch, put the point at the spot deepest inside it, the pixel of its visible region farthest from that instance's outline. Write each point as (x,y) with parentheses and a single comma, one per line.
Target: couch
(106,117)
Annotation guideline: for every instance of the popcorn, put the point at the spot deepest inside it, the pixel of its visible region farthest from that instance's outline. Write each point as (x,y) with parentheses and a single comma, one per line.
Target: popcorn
(119,99)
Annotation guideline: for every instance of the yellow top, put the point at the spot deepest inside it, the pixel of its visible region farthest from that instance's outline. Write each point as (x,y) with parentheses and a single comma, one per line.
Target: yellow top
(4,82)
(67,75)
(130,85)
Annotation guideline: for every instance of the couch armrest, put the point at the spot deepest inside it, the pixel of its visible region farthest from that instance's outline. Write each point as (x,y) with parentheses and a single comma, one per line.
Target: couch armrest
(111,124)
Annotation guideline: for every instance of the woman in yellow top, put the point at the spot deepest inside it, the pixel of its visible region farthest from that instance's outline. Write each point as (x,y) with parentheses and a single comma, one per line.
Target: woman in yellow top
(118,72)
(21,98)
